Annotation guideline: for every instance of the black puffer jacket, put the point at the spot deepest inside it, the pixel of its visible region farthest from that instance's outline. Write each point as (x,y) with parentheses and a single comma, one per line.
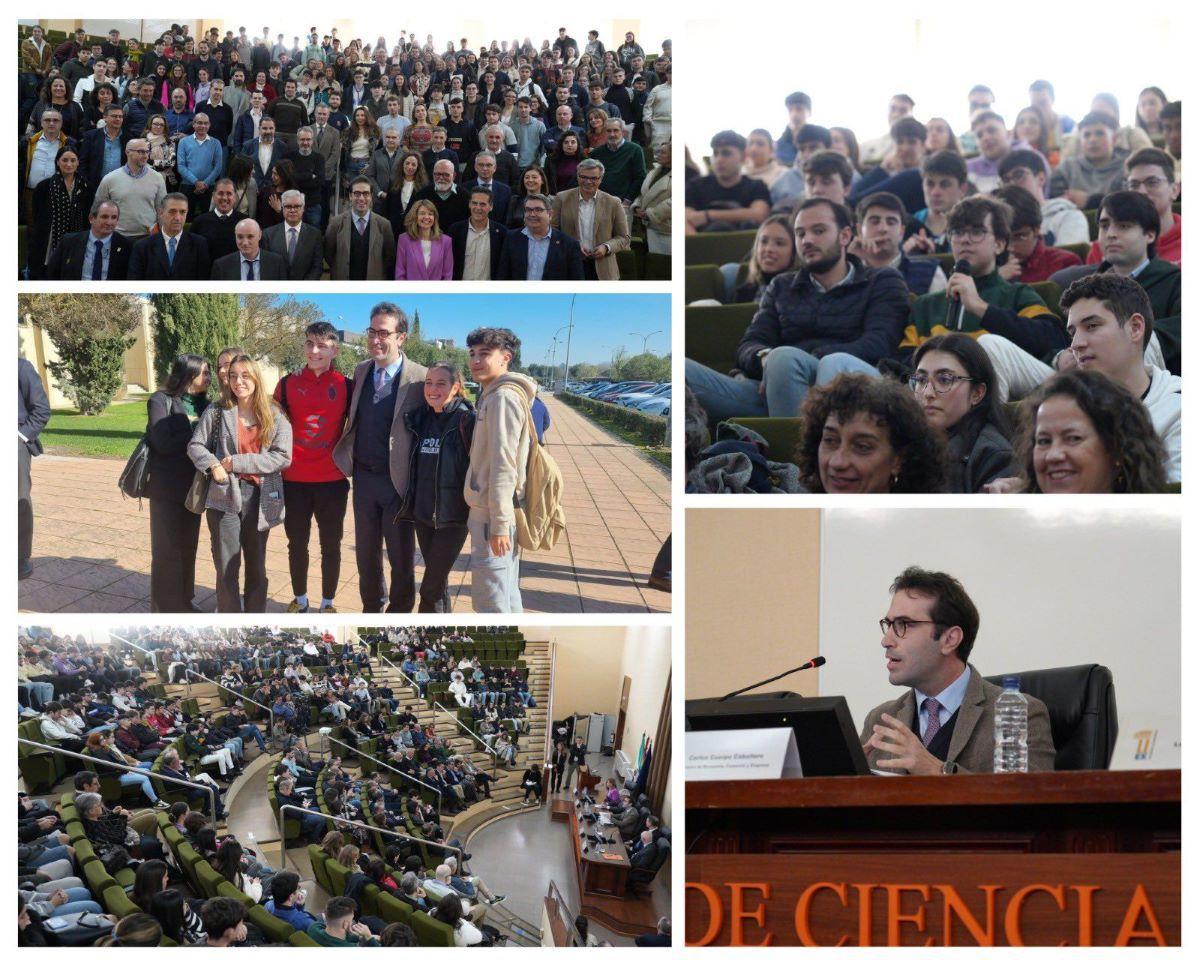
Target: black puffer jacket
(864,317)
(454,455)
(978,454)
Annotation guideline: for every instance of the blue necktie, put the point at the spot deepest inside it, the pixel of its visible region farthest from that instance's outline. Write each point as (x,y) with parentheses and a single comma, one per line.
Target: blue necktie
(171,245)
(98,261)
(249,269)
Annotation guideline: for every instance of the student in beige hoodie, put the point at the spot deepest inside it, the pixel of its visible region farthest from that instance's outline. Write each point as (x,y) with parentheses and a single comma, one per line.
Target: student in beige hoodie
(496,477)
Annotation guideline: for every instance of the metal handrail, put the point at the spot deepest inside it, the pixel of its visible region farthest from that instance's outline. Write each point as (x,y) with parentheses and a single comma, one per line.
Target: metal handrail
(548,746)
(470,733)
(458,852)
(404,676)
(386,766)
(120,766)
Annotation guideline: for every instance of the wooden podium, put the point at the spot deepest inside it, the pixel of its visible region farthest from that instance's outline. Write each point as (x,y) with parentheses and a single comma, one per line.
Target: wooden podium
(1089,858)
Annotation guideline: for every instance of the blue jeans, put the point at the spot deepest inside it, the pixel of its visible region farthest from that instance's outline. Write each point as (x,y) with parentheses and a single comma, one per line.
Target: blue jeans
(55,852)
(236,750)
(250,730)
(40,693)
(788,372)
(79,900)
(141,780)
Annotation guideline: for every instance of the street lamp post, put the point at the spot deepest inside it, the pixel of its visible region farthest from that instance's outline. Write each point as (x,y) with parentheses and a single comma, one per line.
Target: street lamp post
(645,337)
(570,330)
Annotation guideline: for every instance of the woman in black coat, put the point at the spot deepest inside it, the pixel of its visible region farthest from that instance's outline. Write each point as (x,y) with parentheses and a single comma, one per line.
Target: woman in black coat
(62,203)
(441,448)
(174,529)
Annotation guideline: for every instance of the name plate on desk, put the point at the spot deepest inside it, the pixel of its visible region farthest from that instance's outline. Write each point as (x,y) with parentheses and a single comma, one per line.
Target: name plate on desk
(1148,741)
(766,754)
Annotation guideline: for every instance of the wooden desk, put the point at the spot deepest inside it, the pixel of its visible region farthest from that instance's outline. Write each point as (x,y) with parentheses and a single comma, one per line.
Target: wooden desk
(603,870)
(1089,857)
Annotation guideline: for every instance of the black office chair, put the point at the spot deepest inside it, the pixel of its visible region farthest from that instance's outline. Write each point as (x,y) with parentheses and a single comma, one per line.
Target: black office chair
(1082,702)
(643,876)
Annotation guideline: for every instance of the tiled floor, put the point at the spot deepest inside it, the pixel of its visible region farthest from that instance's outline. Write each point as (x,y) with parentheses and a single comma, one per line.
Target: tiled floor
(91,549)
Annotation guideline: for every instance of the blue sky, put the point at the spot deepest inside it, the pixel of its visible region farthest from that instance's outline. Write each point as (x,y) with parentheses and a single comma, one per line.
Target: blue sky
(603,322)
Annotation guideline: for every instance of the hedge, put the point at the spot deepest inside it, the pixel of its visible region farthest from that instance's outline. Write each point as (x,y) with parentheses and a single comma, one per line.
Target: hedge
(651,429)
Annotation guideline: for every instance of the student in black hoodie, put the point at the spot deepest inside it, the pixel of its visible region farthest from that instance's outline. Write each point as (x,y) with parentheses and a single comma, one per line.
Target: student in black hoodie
(434,501)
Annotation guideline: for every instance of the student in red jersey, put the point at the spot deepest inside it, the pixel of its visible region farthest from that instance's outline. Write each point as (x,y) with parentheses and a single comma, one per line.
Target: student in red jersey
(1151,172)
(315,400)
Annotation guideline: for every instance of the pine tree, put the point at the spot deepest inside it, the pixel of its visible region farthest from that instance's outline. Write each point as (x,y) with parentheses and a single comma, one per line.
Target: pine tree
(415,333)
(199,323)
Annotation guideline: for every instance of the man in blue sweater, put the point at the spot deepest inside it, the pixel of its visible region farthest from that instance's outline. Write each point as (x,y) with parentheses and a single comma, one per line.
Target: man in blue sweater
(287,901)
(200,160)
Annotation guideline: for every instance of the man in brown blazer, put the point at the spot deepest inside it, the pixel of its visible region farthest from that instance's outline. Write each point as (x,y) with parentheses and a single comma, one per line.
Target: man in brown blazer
(944,722)
(607,228)
(359,244)
(374,453)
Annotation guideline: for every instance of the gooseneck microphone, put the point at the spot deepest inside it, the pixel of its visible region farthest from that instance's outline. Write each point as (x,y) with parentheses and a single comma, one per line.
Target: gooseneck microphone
(807,665)
(953,304)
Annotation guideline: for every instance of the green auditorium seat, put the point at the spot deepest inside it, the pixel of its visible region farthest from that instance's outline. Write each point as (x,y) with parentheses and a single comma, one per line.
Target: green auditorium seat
(97,879)
(729,246)
(208,878)
(658,266)
(227,889)
(302,939)
(84,854)
(430,932)
(713,333)
(781,434)
(703,282)
(316,856)
(117,902)
(337,877)
(1050,292)
(392,910)
(1093,223)
(277,931)
(1079,249)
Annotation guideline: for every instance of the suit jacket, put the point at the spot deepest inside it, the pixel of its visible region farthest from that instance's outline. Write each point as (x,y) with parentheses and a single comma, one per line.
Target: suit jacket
(33,408)
(507,169)
(243,131)
(278,152)
(329,145)
(381,255)
(271,266)
(218,231)
(149,259)
(501,197)
(458,245)
(609,226)
(66,260)
(563,262)
(972,742)
(410,395)
(410,261)
(309,261)
(91,154)
(210,444)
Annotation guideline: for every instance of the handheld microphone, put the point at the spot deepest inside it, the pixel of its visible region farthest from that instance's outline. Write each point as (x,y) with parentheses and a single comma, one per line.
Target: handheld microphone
(961,266)
(807,665)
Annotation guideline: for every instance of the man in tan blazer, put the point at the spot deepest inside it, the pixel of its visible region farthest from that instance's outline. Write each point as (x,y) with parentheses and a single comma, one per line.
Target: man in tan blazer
(359,244)
(327,143)
(594,218)
(944,722)
(374,453)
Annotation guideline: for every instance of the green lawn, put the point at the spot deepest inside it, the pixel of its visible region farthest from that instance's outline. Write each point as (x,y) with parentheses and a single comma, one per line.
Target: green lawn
(113,434)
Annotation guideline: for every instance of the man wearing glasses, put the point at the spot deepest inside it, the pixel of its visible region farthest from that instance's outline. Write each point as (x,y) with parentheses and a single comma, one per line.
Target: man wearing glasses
(594,218)
(944,722)
(359,243)
(374,452)
(137,189)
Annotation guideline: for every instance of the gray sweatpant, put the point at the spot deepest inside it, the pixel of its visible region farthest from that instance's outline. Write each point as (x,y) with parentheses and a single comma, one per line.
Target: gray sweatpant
(495,581)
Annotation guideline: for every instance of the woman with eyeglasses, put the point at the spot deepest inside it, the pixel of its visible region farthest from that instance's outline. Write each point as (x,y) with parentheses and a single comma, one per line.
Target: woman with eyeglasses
(955,384)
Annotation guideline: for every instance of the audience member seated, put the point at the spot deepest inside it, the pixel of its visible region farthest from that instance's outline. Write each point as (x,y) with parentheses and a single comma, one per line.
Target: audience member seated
(726,200)
(1029,260)
(1099,168)
(881,218)
(1063,223)
(943,184)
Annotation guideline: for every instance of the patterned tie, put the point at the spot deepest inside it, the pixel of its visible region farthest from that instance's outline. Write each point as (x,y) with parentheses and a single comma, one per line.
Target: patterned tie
(291,243)
(381,381)
(362,225)
(933,724)
(98,261)
(171,245)
(250,270)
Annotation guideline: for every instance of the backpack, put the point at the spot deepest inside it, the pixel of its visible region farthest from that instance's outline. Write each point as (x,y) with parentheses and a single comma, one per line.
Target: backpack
(541,521)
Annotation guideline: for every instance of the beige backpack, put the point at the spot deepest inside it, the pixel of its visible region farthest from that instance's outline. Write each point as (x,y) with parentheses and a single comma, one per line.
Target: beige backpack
(541,521)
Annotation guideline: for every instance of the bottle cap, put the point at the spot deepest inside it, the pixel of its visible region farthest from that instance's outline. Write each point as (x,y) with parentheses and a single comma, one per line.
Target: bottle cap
(1012,683)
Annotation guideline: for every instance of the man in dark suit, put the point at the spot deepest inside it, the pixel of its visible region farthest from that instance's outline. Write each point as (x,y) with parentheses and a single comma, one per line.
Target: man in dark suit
(450,202)
(539,252)
(507,170)
(172,253)
(944,722)
(264,149)
(485,236)
(485,176)
(102,150)
(75,256)
(33,413)
(302,246)
(217,225)
(251,262)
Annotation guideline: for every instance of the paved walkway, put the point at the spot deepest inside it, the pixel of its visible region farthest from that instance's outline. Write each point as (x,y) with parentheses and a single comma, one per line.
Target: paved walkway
(91,549)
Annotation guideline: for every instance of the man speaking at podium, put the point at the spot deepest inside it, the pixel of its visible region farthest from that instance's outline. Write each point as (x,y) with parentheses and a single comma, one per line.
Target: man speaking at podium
(944,722)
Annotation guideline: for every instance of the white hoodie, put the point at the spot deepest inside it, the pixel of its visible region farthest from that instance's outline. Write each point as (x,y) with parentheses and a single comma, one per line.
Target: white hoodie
(1064,221)
(499,449)
(1164,403)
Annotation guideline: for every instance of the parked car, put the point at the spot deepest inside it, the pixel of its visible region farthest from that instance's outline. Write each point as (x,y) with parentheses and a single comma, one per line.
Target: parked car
(660,406)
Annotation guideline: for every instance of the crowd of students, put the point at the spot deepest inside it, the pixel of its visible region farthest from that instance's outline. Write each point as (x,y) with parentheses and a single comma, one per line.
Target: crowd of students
(359,162)
(960,268)
(105,711)
(428,467)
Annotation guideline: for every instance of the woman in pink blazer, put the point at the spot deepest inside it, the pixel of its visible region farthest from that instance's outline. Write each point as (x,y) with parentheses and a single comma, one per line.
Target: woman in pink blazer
(423,252)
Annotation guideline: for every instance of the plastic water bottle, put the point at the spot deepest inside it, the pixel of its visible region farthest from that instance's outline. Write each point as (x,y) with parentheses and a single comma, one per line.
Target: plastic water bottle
(1011,730)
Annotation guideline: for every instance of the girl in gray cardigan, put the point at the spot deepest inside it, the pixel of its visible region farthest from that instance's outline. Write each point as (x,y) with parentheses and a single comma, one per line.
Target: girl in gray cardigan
(245,442)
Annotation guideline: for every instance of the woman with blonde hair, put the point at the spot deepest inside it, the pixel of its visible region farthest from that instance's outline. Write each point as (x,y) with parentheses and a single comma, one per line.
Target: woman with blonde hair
(423,252)
(409,179)
(244,443)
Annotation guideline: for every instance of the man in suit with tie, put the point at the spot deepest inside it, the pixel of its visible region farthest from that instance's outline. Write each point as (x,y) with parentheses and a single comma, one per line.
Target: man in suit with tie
(172,253)
(485,176)
(375,452)
(251,262)
(359,244)
(102,150)
(944,723)
(302,246)
(327,142)
(477,241)
(217,225)
(99,253)
(265,151)
(539,252)
(594,218)
(33,413)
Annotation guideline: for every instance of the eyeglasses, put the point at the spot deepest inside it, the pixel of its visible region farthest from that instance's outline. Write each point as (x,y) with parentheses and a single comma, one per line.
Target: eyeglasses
(943,382)
(1150,183)
(373,334)
(974,233)
(899,626)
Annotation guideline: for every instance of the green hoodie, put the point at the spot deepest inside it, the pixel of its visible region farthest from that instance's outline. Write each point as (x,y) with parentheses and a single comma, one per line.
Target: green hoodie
(325,939)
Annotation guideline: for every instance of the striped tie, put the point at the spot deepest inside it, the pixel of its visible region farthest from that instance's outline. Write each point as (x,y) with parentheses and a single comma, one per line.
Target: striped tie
(933,724)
